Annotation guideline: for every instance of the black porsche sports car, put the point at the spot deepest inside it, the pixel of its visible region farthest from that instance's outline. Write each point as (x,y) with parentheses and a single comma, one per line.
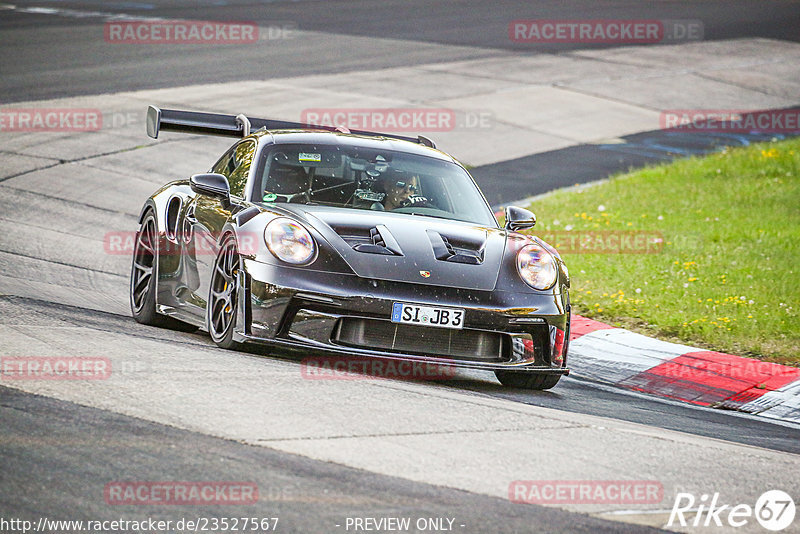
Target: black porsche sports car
(352,244)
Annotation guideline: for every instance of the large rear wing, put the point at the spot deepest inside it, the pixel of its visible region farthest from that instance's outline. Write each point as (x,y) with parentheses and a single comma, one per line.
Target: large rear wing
(173,120)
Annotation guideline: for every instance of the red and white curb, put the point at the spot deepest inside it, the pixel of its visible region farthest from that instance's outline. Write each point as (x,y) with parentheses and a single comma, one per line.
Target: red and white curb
(604,353)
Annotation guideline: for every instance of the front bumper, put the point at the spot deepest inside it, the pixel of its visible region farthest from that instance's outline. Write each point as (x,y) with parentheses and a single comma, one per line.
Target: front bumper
(346,315)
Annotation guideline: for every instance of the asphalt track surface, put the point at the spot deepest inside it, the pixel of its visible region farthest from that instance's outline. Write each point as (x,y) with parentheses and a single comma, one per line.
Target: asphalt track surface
(57,455)
(65,454)
(570,395)
(47,56)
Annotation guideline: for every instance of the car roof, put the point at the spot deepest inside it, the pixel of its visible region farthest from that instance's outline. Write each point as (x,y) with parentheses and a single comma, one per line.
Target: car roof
(279,137)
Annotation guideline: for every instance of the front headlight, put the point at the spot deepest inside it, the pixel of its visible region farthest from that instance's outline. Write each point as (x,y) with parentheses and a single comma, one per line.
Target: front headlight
(536,266)
(289,241)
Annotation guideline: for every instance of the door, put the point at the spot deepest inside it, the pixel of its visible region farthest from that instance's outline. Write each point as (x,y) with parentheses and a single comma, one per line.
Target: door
(210,217)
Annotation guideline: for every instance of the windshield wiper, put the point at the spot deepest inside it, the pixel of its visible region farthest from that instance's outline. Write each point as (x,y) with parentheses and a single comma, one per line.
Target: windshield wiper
(428,215)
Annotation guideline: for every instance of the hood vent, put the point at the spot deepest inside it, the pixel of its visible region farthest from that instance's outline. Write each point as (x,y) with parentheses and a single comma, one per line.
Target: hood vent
(375,240)
(457,250)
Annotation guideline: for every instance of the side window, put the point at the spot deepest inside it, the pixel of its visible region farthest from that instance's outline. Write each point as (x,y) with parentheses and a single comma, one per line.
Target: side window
(235,166)
(226,164)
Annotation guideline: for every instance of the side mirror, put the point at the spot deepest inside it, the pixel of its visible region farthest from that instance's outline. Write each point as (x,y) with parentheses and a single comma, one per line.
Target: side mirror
(212,185)
(519,219)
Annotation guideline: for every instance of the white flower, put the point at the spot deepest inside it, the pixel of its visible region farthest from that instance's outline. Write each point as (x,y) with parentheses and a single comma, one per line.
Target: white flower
(568,227)
(685,284)
(556,222)
(601,208)
(660,217)
(638,289)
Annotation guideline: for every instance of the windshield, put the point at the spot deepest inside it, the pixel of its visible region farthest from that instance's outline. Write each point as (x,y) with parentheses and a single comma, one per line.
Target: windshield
(370,179)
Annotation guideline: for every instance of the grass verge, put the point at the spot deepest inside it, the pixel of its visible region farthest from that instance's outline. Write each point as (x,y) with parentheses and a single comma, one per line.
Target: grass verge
(703,251)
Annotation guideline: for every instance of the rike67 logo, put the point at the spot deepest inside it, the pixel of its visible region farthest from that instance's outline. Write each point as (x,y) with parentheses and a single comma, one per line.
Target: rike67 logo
(774,510)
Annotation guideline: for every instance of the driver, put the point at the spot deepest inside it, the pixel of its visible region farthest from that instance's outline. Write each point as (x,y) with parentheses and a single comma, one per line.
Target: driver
(400,188)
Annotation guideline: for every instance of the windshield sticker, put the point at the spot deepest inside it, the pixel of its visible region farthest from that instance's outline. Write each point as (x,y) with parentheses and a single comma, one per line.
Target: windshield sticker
(270,197)
(308,156)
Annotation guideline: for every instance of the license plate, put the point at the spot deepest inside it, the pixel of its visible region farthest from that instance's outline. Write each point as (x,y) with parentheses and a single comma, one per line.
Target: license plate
(427,315)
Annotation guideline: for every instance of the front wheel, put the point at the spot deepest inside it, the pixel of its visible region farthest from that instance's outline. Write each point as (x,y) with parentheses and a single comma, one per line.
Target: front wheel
(517,379)
(222,300)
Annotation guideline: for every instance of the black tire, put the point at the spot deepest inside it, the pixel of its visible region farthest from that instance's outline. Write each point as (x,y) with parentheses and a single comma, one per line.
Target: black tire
(517,379)
(221,310)
(144,275)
